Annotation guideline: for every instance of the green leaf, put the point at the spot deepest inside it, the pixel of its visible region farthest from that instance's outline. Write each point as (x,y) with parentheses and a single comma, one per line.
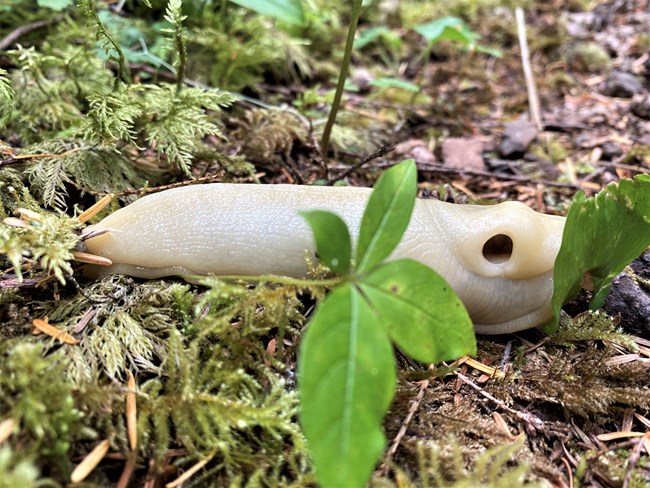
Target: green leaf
(423,314)
(379,33)
(601,236)
(369,35)
(447,28)
(454,29)
(347,378)
(289,11)
(389,82)
(387,215)
(57,5)
(332,237)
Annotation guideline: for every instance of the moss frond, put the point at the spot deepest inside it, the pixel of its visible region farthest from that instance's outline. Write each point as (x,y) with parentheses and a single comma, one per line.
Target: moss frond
(590,326)
(34,392)
(174,122)
(175,18)
(6,98)
(71,163)
(216,409)
(444,464)
(16,470)
(108,42)
(111,118)
(128,328)
(238,55)
(48,240)
(51,87)
(268,135)
(171,122)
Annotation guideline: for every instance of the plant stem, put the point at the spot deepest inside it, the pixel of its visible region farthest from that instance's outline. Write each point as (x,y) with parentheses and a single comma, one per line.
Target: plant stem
(122,67)
(281,280)
(182,57)
(343,74)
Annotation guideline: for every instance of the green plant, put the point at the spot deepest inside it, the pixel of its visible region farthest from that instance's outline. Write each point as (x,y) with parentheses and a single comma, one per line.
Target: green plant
(6,98)
(601,236)
(452,29)
(34,392)
(46,238)
(345,368)
(16,472)
(343,73)
(289,11)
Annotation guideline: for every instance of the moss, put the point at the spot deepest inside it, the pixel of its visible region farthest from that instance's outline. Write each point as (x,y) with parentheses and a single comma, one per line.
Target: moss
(35,394)
(588,57)
(15,471)
(550,149)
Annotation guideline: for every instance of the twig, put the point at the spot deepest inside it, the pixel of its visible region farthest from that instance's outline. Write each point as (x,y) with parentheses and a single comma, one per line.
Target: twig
(533,98)
(23,30)
(632,460)
(382,151)
(405,423)
(530,419)
(463,171)
(20,158)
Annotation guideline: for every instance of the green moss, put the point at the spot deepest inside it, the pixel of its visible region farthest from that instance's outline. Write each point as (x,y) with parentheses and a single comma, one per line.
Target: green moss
(16,471)
(550,148)
(588,57)
(36,395)
(48,239)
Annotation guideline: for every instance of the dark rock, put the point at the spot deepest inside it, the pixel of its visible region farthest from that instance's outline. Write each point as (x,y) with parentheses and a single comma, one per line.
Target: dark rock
(463,153)
(517,136)
(632,303)
(621,84)
(641,108)
(611,150)
(641,265)
(630,300)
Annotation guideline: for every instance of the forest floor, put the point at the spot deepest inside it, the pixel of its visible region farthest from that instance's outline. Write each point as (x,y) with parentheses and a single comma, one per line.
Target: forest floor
(572,409)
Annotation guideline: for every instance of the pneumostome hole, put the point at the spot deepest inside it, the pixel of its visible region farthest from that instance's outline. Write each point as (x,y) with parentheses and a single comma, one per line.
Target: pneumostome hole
(498,249)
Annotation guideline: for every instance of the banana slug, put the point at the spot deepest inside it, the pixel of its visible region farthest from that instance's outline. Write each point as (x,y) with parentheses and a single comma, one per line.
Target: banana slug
(498,259)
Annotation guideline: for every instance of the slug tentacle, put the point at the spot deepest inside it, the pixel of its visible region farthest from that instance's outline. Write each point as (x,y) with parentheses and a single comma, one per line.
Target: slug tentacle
(498,259)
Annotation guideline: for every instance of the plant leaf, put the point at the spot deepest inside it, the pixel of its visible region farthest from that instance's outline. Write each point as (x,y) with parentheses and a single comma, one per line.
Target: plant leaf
(601,236)
(423,314)
(451,28)
(57,5)
(389,82)
(333,242)
(387,215)
(347,379)
(289,11)
(454,29)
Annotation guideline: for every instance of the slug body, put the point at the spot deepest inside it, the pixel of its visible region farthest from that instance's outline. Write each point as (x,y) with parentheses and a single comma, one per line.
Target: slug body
(498,259)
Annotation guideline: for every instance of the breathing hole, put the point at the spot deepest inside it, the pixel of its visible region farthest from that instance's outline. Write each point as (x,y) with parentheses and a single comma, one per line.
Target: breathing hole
(498,249)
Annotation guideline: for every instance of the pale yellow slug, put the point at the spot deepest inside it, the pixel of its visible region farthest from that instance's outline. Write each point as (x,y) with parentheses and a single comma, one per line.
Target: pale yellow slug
(498,259)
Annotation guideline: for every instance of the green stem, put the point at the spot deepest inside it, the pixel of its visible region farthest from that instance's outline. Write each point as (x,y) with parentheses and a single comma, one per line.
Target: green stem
(182,57)
(343,74)
(122,67)
(281,280)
